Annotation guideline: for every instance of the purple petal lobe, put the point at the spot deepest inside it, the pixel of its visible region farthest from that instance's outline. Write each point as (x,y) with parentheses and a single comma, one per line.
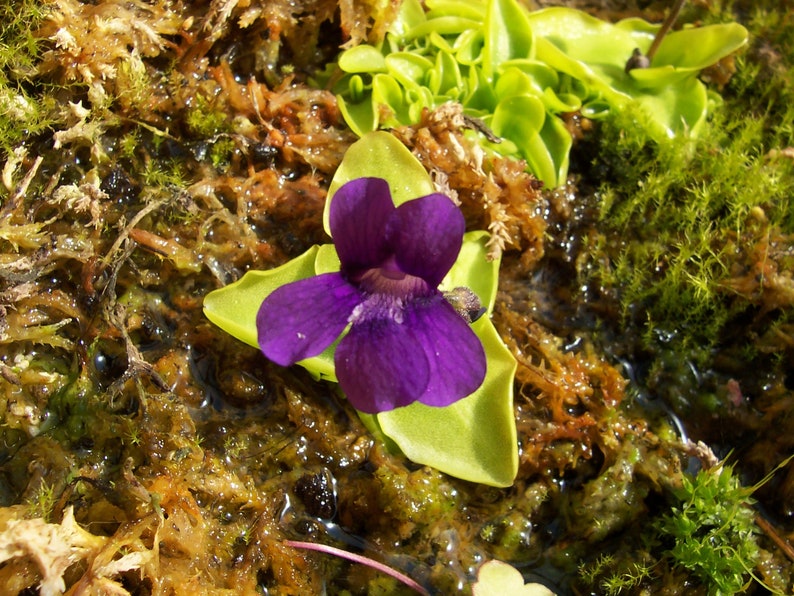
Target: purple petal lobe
(380,366)
(455,353)
(302,318)
(426,235)
(360,211)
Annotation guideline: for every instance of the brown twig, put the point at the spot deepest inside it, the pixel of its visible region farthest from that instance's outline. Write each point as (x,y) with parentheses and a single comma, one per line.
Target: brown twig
(774,536)
(665,29)
(21,189)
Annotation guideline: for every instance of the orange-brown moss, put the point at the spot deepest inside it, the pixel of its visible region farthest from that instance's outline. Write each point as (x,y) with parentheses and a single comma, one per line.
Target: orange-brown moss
(495,193)
(183,451)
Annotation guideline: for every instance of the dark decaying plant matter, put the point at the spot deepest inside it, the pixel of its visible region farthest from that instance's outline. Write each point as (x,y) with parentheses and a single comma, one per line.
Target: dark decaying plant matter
(153,152)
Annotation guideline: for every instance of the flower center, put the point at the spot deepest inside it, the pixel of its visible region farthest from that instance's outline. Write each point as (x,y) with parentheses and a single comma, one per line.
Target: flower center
(387,289)
(378,307)
(388,280)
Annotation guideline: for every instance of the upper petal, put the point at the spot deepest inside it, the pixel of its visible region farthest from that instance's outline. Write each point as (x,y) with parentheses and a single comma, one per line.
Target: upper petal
(426,235)
(360,211)
(454,352)
(300,319)
(380,366)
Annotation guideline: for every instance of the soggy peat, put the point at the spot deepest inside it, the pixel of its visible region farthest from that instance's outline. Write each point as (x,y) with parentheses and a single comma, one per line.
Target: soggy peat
(155,151)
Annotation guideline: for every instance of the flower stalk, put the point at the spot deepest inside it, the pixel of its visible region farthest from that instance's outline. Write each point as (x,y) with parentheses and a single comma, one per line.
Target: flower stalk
(640,60)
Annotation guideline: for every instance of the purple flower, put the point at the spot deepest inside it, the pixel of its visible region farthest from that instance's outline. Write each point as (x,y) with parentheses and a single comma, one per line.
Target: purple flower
(406,343)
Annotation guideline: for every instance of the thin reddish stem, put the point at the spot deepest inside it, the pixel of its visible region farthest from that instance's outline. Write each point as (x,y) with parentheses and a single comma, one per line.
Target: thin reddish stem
(338,552)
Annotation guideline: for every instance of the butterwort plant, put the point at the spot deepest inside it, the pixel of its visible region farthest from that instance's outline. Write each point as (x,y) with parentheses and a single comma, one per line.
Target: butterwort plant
(522,72)
(389,312)
(406,342)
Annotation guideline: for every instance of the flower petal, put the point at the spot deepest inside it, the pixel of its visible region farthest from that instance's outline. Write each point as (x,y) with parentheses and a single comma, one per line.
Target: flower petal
(359,213)
(380,366)
(426,235)
(300,319)
(455,353)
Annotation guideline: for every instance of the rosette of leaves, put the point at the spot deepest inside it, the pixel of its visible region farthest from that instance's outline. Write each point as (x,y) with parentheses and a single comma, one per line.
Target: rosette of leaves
(475,438)
(521,72)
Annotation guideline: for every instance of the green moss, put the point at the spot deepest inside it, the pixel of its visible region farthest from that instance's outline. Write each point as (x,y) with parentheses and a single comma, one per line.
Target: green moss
(633,577)
(134,82)
(705,540)
(423,497)
(678,214)
(511,532)
(612,574)
(20,48)
(677,217)
(221,152)
(609,502)
(712,530)
(24,110)
(128,144)
(764,80)
(162,174)
(205,120)
(42,501)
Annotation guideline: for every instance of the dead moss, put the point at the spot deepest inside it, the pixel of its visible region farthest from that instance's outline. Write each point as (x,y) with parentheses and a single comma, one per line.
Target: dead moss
(495,193)
(177,147)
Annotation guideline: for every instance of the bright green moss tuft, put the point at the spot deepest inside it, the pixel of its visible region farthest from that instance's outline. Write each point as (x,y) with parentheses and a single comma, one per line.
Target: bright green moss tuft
(20,47)
(614,576)
(712,531)
(42,502)
(222,151)
(205,121)
(24,110)
(764,80)
(163,173)
(677,217)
